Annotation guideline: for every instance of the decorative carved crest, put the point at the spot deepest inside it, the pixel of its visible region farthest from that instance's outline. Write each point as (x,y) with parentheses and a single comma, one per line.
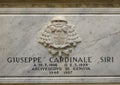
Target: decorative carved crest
(59,37)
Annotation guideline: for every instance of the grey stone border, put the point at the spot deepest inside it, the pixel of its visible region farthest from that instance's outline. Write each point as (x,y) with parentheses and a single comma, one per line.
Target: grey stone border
(59,10)
(60,80)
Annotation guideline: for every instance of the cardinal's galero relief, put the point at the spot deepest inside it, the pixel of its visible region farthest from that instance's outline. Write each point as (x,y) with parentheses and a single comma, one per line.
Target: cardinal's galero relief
(59,37)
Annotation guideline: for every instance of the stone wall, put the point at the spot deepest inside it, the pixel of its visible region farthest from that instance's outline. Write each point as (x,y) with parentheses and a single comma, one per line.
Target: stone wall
(44,3)
(60,3)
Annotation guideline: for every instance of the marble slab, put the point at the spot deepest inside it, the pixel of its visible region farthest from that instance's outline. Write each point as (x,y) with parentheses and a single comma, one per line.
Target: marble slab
(85,50)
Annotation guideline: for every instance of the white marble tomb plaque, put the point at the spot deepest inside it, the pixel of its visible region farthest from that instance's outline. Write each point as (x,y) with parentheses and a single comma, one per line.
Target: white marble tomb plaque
(67,45)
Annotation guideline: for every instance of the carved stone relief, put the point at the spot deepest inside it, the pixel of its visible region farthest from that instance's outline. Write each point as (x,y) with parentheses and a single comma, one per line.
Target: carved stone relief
(59,37)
